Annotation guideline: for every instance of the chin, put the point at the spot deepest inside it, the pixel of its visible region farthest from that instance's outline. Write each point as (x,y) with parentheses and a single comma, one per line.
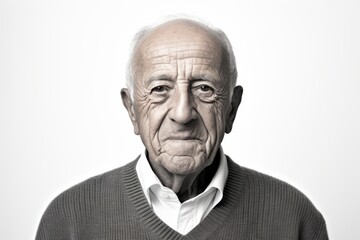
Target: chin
(183,165)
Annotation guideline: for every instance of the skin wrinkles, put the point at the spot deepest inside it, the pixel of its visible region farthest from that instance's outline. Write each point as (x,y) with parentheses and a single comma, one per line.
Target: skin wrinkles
(181,107)
(168,53)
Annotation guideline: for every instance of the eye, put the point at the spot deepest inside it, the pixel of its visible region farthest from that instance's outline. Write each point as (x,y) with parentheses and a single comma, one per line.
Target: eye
(206,88)
(158,89)
(204,92)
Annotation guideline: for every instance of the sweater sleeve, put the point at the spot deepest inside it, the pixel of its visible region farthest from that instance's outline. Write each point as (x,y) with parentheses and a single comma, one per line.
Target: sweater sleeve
(53,225)
(313,227)
(322,233)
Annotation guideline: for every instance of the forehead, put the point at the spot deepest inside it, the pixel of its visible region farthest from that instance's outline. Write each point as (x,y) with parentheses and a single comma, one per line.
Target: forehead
(197,53)
(192,44)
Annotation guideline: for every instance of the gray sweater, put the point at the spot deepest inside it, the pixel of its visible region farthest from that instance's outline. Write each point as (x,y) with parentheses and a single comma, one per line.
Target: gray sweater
(112,206)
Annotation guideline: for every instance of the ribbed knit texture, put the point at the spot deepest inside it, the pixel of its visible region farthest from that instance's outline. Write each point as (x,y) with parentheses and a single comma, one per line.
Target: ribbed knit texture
(112,206)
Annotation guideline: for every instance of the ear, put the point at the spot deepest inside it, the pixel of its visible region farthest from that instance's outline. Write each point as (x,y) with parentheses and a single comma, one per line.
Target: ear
(128,104)
(235,102)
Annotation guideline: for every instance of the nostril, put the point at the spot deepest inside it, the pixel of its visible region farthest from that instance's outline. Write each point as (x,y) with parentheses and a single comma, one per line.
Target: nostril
(183,115)
(182,109)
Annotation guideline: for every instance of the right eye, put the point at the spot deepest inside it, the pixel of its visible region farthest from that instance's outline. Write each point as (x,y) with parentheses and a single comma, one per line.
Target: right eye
(159,93)
(158,89)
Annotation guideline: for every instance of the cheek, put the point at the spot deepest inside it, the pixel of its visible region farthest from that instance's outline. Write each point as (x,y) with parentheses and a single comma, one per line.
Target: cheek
(150,118)
(214,118)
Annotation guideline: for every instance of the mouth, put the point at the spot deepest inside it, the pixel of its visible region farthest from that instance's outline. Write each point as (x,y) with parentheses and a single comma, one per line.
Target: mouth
(182,146)
(182,138)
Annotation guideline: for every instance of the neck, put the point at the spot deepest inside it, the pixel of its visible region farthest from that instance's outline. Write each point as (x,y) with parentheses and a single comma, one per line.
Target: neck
(190,185)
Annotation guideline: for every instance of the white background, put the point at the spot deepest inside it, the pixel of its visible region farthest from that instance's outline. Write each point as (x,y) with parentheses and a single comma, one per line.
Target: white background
(62,65)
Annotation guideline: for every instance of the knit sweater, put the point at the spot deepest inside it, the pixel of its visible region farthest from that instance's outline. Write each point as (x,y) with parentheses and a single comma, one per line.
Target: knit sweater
(112,206)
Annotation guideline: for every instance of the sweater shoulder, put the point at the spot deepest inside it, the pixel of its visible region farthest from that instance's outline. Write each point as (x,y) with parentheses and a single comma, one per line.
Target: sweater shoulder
(90,200)
(103,180)
(271,184)
(265,183)
(283,204)
(88,193)
(275,192)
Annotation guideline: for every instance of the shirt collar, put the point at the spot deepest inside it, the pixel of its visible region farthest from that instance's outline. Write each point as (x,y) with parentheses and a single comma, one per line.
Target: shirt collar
(149,179)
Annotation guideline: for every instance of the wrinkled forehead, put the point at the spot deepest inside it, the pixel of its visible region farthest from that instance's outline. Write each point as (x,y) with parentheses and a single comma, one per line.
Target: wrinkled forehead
(204,52)
(179,41)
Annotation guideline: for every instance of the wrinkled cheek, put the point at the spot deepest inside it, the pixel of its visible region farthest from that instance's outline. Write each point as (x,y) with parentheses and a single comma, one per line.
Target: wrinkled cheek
(155,121)
(211,123)
(142,109)
(220,127)
(216,130)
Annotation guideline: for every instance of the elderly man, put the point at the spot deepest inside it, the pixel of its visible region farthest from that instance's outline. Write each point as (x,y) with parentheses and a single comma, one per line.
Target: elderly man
(182,99)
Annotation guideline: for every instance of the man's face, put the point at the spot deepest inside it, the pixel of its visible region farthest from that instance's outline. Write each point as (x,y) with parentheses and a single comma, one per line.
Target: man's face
(181,101)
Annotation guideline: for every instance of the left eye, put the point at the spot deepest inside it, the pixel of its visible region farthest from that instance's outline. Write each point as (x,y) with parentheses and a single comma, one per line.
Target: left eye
(205,88)
(204,92)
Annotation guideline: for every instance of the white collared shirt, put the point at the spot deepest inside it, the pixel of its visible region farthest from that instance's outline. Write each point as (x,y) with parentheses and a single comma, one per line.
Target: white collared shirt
(182,217)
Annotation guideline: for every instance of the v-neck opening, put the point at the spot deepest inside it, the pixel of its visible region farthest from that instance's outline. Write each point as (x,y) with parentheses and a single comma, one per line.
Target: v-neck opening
(206,227)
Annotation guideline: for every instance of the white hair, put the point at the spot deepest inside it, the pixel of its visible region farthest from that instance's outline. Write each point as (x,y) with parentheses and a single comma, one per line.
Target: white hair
(131,66)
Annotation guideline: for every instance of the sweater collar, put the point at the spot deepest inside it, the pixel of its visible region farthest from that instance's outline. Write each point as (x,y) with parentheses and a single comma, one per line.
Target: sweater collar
(211,224)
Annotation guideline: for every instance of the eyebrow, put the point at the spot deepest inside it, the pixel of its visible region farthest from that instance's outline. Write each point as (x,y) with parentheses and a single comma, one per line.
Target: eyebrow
(196,77)
(209,76)
(155,77)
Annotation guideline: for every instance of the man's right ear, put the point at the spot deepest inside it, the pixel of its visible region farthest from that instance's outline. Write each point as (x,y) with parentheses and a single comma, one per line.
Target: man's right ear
(128,104)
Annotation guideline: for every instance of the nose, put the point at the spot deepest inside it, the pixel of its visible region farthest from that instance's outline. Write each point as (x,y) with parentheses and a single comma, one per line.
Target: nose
(182,110)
